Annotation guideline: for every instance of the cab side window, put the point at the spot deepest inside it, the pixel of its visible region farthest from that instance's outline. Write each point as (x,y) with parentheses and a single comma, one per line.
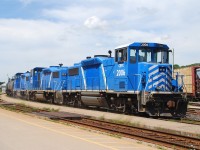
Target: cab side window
(121,55)
(55,74)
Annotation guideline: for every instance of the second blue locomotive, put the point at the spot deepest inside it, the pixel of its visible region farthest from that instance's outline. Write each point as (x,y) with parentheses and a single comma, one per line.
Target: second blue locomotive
(137,79)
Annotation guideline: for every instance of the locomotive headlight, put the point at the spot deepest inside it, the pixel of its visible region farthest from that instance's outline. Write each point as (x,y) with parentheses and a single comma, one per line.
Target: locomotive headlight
(162,69)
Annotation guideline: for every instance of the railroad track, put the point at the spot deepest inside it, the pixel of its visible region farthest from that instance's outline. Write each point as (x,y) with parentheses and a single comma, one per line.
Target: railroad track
(152,136)
(193,111)
(192,117)
(156,137)
(194,103)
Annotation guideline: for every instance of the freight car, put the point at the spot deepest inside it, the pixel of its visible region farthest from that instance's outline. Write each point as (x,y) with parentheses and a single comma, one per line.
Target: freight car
(10,87)
(137,79)
(191,81)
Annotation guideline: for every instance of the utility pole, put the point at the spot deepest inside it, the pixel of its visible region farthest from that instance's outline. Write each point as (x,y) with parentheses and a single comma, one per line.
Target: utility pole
(173,62)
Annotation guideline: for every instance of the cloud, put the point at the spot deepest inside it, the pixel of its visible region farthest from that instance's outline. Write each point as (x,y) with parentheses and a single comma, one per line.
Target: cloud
(75,14)
(95,23)
(26,2)
(25,44)
(67,31)
(49,2)
(165,37)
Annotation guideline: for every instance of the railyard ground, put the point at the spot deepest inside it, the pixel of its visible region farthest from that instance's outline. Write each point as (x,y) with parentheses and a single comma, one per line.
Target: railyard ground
(174,127)
(24,132)
(19,131)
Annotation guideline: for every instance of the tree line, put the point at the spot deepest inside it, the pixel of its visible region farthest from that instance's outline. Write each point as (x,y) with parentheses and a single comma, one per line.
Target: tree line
(176,66)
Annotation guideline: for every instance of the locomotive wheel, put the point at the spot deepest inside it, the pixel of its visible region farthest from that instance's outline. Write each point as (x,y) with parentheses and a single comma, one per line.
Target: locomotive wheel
(51,100)
(75,102)
(27,96)
(34,97)
(80,104)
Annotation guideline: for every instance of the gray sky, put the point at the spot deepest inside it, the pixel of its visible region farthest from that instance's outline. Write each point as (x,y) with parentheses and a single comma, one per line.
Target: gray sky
(44,33)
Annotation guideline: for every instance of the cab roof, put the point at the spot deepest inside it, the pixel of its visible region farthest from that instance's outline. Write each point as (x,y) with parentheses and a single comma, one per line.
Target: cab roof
(144,44)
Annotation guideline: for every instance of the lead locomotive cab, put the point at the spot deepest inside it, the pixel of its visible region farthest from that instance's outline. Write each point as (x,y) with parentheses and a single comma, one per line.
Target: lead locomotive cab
(143,80)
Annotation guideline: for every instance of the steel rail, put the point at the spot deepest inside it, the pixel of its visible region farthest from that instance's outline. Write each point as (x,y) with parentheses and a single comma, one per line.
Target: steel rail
(153,136)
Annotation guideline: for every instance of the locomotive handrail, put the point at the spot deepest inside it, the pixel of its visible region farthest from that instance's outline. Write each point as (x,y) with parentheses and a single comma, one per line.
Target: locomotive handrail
(62,85)
(57,85)
(182,82)
(42,76)
(54,85)
(147,82)
(139,80)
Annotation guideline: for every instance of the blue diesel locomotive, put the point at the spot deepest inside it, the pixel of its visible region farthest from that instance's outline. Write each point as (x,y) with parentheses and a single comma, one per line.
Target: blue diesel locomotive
(137,79)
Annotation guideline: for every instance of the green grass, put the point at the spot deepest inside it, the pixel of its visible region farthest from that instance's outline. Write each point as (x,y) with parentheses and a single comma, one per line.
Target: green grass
(161,148)
(122,122)
(50,109)
(26,108)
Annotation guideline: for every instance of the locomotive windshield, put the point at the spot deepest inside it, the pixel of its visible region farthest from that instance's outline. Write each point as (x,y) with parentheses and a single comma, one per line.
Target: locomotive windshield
(144,55)
(152,55)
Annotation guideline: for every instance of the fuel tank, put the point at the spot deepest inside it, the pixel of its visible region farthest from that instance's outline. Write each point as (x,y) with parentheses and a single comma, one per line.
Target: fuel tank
(94,101)
(40,96)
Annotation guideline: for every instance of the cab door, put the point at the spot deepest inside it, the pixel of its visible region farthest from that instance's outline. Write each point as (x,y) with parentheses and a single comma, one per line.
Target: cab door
(120,72)
(132,74)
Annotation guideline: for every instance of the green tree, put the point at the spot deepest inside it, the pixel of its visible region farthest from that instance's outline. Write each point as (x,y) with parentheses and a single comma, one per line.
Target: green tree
(176,66)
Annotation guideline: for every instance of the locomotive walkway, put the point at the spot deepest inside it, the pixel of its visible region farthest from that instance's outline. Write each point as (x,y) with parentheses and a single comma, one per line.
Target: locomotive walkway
(173,127)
